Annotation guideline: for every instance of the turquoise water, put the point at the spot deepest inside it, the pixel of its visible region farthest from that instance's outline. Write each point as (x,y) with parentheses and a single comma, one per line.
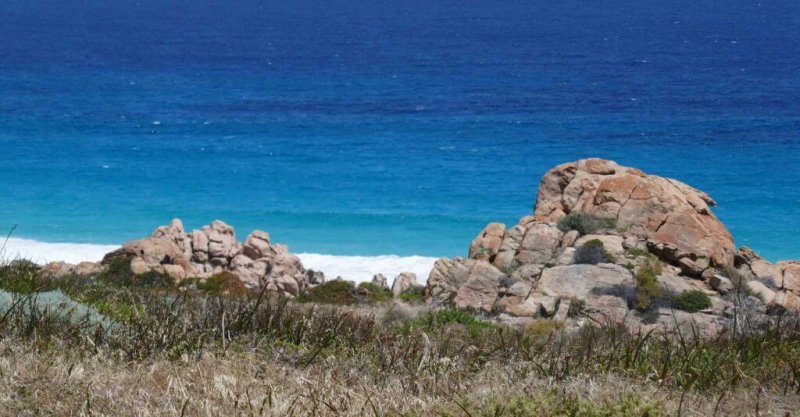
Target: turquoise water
(350,128)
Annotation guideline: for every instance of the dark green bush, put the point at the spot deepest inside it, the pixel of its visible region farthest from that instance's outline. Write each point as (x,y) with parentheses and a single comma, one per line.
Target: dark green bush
(647,288)
(223,283)
(118,270)
(413,295)
(636,252)
(691,301)
(592,252)
(374,293)
(440,318)
(584,223)
(331,292)
(22,277)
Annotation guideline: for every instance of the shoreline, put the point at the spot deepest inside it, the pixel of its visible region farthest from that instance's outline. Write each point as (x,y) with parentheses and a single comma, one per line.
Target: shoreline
(350,267)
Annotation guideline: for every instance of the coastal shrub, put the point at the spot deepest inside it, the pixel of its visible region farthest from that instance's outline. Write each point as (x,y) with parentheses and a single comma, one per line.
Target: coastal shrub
(691,301)
(584,223)
(592,252)
(22,277)
(637,252)
(413,295)
(646,279)
(373,293)
(222,283)
(117,270)
(331,292)
(447,316)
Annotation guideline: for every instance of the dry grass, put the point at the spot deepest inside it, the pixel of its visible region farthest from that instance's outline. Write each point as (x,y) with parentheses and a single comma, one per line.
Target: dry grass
(249,383)
(190,352)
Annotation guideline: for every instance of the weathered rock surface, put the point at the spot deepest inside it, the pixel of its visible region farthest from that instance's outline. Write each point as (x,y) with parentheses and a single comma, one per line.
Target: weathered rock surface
(380,280)
(583,282)
(663,210)
(214,249)
(403,282)
(664,230)
(61,269)
(778,285)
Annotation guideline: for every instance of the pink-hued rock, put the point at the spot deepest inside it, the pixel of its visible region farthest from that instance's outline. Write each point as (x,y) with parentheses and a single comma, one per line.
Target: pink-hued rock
(487,243)
(403,282)
(211,250)
(61,269)
(791,276)
(468,283)
(540,243)
(661,209)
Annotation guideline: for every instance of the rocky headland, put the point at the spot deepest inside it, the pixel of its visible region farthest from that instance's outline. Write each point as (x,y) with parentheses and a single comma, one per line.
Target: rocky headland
(604,244)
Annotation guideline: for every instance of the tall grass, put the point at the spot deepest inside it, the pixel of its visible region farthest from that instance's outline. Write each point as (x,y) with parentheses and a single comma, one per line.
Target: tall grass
(434,354)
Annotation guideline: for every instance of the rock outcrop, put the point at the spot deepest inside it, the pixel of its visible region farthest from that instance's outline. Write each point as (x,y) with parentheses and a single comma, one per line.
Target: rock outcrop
(674,217)
(777,285)
(213,249)
(61,269)
(650,228)
(402,282)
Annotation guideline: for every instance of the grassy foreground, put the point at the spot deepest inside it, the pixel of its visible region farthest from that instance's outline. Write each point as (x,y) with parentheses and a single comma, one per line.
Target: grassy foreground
(113,345)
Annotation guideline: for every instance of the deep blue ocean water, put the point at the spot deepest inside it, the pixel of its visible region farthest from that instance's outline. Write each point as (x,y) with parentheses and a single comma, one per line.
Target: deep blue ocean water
(400,127)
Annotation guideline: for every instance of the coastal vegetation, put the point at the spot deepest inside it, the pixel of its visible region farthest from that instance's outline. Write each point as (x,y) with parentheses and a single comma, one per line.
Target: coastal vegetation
(584,224)
(190,349)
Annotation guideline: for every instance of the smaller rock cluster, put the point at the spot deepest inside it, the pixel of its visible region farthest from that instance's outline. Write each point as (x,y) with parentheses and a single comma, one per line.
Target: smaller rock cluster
(214,249)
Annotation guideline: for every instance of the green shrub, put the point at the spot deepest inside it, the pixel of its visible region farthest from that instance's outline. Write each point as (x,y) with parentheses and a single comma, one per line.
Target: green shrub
(22,277)
(647,288)
(592,252)
(691,301)
(331,292)
(636,252)
(413,295)
(374,293)
(118,270)
(441,318)
(584,223)
(222,283)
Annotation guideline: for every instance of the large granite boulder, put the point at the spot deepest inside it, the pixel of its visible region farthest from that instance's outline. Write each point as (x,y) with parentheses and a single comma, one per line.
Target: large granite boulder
(583,282)
(449,276)
(665,211)
(213,250)
(663,242)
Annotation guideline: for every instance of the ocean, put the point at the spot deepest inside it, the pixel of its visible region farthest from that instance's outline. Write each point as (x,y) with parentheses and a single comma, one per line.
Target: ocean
(375,136)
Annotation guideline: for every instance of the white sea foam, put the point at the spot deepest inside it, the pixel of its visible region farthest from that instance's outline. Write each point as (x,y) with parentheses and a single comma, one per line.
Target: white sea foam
(356,268)
(362,268)
(42,252)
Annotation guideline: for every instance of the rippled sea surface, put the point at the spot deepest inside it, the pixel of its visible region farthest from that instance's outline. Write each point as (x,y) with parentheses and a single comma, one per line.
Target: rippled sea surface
(377,128)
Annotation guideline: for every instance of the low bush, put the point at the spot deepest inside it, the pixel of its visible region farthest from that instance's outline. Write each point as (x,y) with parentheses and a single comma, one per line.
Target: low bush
(373,293)
(440,318)
(118,270)
(222,283)
(22,277)
(584,223)
(647,288)
(691,301)
(592,252)
(637,253)
(413,295)
(331,292)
